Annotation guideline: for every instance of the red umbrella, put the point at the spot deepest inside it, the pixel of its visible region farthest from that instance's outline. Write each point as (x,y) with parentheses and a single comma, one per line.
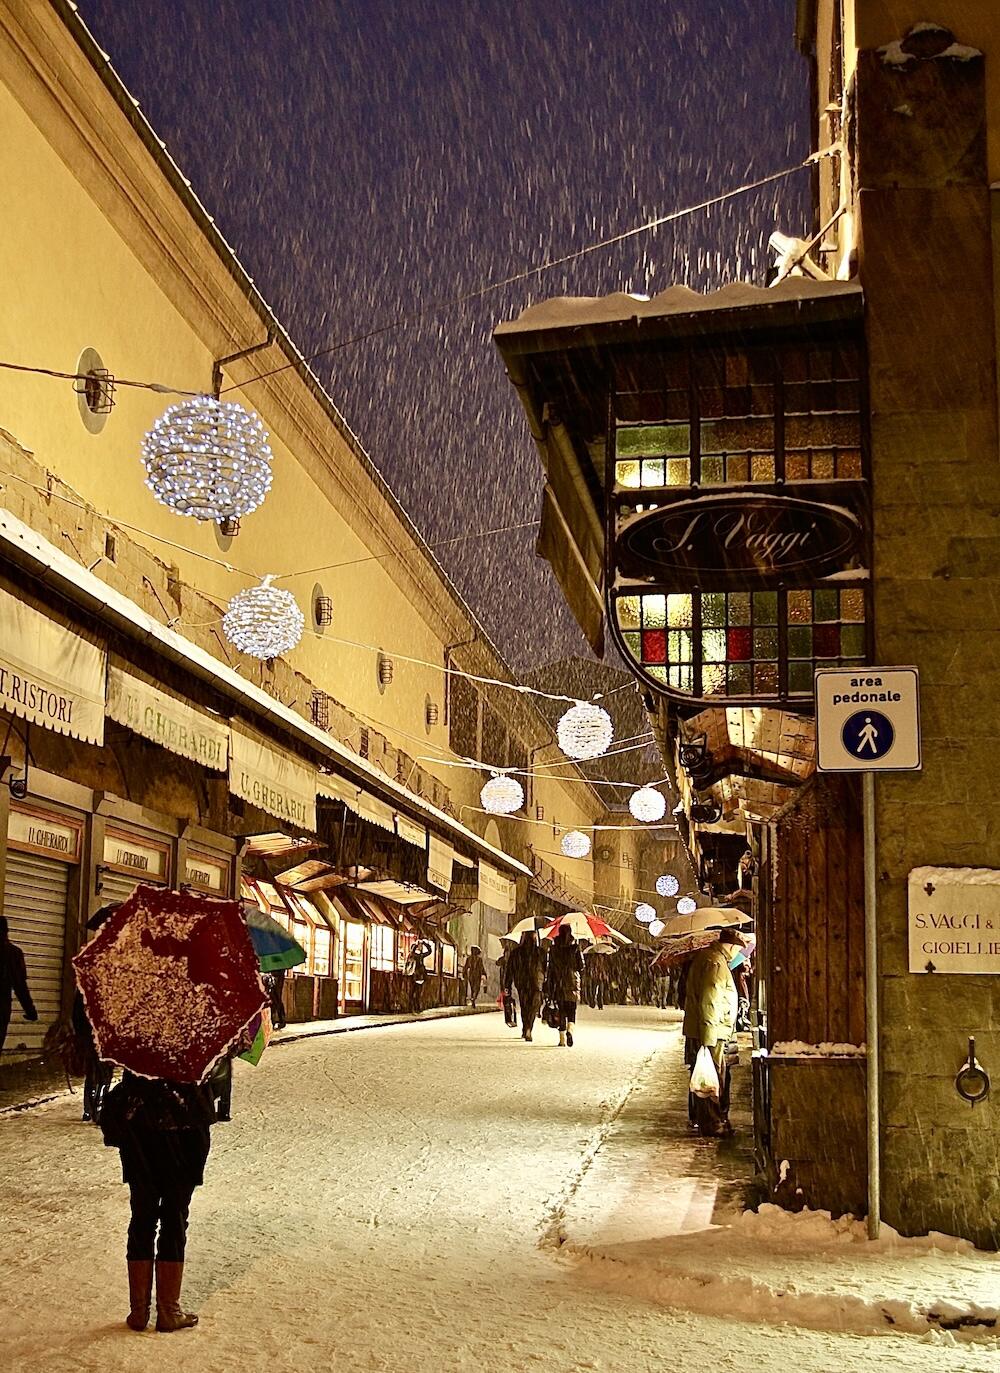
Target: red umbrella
(170,982)
(585,925)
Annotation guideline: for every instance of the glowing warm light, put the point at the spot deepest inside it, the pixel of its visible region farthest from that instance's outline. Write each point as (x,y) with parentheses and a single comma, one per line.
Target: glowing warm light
(656,927)
(502,794)
(647,805)
(208,458)
(263,621)
(667,884)
(687,905)
(575,844)
(644,913)
(585,731)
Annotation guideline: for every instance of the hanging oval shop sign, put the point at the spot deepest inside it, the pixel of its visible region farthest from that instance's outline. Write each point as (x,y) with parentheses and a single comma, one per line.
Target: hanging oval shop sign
(744,538)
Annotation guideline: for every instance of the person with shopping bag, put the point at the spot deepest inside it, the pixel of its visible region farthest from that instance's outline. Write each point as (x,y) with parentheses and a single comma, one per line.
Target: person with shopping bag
(710,1009)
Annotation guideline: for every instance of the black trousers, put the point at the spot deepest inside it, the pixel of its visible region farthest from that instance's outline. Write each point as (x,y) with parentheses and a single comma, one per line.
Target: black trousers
(168,1209)
(531,1002)
(567,1015)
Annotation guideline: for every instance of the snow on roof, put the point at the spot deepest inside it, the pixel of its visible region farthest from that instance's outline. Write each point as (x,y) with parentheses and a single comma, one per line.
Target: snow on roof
(571,312)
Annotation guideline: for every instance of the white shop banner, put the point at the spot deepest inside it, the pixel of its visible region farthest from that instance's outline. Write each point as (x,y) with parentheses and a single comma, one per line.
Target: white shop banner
(496,890)
(49,674)
(167,720)
(410,831)
(272,781)
(440,860)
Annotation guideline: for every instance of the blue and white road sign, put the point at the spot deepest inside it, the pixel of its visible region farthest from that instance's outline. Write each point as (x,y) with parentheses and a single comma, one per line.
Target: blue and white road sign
(868,734)
(868,719)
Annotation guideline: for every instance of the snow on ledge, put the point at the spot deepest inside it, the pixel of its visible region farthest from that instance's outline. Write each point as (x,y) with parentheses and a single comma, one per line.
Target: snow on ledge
(895,55)
(797,1048)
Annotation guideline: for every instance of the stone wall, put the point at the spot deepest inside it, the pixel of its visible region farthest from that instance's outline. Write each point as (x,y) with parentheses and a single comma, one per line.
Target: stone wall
(927,272)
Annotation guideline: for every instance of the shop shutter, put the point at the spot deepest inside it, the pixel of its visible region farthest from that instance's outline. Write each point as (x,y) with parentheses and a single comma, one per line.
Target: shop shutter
(116,886)
(35,901)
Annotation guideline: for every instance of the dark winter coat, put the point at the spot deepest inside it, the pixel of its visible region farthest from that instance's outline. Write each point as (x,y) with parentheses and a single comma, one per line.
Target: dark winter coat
(565,970)
(161,1130)
(526,969)
(14,980)
(474,971)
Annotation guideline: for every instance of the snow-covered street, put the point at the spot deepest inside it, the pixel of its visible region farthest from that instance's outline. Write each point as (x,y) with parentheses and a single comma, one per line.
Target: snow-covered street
(395,1199)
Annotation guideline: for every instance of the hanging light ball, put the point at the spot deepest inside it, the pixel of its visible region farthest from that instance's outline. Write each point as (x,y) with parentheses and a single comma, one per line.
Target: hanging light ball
(208,458)
(687,905)
(575,844)
(667,885)
(644,913)
(502,794)
(647,804)
(263,621)
(585,731)
(656,927)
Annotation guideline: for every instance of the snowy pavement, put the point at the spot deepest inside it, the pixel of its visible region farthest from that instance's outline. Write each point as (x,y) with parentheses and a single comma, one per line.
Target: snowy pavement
(394,1200)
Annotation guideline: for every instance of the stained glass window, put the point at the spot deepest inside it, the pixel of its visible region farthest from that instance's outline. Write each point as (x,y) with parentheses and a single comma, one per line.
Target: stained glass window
(692,419)
(757,644)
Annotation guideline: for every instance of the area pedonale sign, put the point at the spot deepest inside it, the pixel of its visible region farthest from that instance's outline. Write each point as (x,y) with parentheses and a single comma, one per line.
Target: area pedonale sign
(741,539)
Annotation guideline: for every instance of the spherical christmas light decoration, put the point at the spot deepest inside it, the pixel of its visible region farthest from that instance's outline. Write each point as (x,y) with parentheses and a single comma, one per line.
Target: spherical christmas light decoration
(208,458)
(502,794)
(647,805)
(263,621)
(656,927)
(667,884)
(585,731)
(687,905)
(575,844)
(644,913)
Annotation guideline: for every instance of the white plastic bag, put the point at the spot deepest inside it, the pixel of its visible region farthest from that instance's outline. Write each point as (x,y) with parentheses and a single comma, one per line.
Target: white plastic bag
(705,1075)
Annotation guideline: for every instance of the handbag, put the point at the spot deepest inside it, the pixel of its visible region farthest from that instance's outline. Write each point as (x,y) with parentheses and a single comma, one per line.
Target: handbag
(509,1011)
(705,1076)
(550,1014)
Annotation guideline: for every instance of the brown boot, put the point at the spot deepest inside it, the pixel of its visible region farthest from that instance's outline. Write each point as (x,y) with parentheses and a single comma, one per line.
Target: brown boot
(169,1315)
(140,1292)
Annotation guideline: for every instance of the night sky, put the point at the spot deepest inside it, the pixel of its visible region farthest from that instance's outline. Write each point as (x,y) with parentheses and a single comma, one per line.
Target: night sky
(370,157)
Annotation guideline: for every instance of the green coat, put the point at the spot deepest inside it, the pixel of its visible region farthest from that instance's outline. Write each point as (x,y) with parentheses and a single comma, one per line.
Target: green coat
(711,1002)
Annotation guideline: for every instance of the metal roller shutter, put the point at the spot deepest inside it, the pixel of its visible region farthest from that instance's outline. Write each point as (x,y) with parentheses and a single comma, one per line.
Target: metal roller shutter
(116,886)
(35,901)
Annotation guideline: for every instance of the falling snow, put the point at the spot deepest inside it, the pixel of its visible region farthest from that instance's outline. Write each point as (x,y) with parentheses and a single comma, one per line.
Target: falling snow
(370,159)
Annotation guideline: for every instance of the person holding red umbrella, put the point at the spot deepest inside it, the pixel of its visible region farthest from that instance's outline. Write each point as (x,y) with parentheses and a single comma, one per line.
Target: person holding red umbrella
(170,984)
(565,972)
(161,1130)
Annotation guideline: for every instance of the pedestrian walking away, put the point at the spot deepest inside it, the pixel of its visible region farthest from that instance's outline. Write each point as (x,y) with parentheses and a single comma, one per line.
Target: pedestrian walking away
(710,1010)
(416,969)
(161,1130)
(474,972)
(13,982)
(526,969)
(564,978)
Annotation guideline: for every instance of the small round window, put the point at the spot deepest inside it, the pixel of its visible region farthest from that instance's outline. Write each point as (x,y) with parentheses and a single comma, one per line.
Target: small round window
(95,390)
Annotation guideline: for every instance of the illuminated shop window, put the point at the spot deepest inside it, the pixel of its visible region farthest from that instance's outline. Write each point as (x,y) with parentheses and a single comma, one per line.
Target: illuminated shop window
(383,947)
(449,960)
(322,950)
(760,644)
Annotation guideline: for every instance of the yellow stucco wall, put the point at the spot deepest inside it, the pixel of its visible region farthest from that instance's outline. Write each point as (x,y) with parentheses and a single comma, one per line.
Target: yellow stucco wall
(83,271)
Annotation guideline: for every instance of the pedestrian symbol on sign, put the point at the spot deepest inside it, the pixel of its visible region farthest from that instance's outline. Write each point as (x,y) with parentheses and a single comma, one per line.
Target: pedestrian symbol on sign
(868,734)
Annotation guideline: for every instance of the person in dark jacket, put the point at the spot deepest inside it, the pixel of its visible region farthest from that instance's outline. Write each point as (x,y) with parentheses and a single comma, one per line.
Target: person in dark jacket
(416,966)
(526,972)
(161,1130)
(474,972)
(13,982)
(565,973)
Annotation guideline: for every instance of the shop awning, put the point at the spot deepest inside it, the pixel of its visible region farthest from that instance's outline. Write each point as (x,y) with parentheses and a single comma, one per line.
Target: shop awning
(50,675)
(272,780)
(401,892)
(314,874)
(276,845)
(166,720)
(22,546)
